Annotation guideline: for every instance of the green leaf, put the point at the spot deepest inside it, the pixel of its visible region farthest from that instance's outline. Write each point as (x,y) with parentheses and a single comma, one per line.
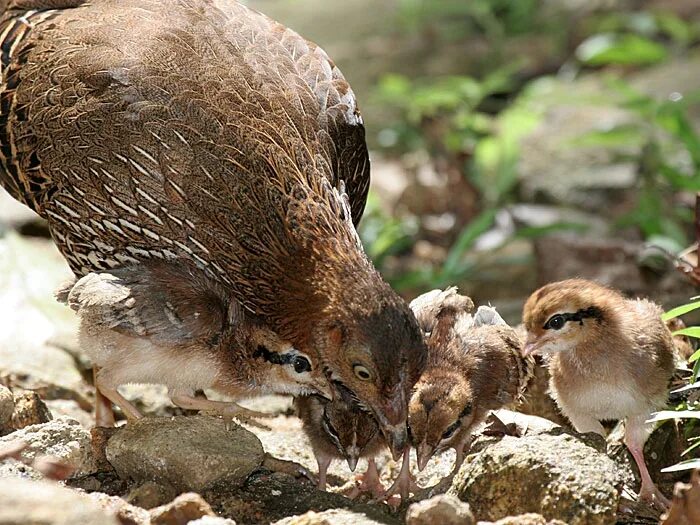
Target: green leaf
(694,358)
(691,331)
(627,49)
(680,310)
(691,464)
(466,239)
(665,415)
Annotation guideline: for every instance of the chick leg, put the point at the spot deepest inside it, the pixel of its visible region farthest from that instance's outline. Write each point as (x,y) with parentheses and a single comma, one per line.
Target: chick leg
(583,423)
(108,389)
(227,410)
(368,482)
(323,463)
(104,415)
(636,433)
(404,483)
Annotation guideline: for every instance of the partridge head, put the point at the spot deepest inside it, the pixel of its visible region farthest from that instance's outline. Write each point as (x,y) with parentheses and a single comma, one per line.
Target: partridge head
(609,358)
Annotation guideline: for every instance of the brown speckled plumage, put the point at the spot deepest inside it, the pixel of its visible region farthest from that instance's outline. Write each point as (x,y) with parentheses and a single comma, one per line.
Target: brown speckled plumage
(201,130)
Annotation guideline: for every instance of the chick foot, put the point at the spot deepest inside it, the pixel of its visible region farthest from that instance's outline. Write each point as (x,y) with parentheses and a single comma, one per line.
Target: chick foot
(291,468)
(368,483)
(404,484)
(227,410)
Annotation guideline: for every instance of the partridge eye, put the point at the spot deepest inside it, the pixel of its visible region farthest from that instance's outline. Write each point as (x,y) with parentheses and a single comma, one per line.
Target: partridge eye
(556,322)
(361,373)
(301,364)
(451,430)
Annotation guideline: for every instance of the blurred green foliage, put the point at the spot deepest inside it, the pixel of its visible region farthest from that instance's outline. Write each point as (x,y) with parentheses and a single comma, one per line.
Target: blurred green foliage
(477,121)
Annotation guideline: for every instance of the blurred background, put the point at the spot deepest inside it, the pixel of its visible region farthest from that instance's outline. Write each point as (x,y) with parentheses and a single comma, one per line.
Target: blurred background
(519,142)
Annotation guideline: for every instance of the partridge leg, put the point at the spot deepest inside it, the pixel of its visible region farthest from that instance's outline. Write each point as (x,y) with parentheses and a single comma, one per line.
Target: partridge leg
(636,433)
(404,483)
(104,415)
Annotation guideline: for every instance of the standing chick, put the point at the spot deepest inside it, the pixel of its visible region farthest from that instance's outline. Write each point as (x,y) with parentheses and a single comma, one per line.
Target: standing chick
(611,358)
(171,324)
(339,430)
(474,366)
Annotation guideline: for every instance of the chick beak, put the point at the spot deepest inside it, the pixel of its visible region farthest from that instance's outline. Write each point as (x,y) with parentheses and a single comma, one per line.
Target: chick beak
(352,462)
(423,454)
(397,438)
(531,346)
(326,391)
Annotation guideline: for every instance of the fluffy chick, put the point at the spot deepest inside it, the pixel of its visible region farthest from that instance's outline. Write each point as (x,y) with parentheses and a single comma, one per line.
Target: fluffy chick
(474,366)
(610,358)
(338,430)
(167,323)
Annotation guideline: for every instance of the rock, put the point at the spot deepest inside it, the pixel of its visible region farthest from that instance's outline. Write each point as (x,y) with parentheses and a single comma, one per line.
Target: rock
(190,453)
(183,509)
(63,439)
(29,410)
(329,517)
(151,494)
(30,270)
(525,519)
(7,407)
(42,502)
(11,468)
(444,509)
(525,424)
(72,409)
(125,513)
(554,474)
(266,498)
(212,520)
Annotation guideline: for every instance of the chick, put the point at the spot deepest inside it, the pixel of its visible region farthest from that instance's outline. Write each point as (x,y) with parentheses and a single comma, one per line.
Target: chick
(170,324)
(610,358)
(338,430)
(474,366)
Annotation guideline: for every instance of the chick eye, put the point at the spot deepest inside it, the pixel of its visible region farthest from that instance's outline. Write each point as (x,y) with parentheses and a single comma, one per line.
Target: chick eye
(556,322)
(361,373)
(451,430)
(301,364)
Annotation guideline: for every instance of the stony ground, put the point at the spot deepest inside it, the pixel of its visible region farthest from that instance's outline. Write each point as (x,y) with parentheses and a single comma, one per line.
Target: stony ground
(177,468)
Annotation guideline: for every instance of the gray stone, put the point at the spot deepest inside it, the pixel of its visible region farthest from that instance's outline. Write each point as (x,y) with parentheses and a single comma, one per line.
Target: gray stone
(444,509)
(554,474)
(183,509)
(329,517)
(7,407)
(63,439)
(212,520)
(29,410)
(45,503)
(127,514)
(150,494)
(190,453)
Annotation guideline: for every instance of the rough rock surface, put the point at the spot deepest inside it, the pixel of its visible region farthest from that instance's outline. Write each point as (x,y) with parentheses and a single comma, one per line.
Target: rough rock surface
(63,439)
(45,503)
(444,509)
(125,513)
(526,519)
(183,509)
(7,407)
(212,520)
(190,453)
(329,517)
(29,410)
(556,475)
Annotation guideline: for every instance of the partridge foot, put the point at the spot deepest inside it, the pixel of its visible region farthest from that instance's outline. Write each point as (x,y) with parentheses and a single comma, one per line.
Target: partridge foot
(404,484)
(368,483)
(652,495)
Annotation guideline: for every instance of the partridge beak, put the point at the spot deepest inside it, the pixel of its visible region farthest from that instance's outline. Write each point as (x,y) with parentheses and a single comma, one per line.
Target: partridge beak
(423,454)
(397,439)
(392,421)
